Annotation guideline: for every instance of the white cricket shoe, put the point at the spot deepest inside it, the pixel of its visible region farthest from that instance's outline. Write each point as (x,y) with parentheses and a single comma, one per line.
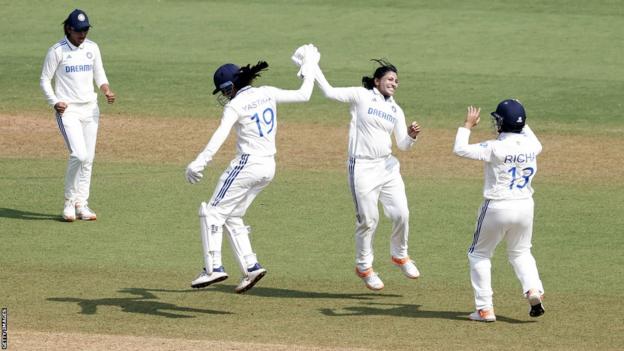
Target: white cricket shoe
(85,213)
(370,278)
(204,279)
(254,274)
(535,299)
(484,315)
(407,266)
(69,211)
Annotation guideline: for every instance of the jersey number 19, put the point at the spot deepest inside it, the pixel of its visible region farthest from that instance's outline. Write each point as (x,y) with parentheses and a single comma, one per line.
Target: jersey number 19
(267,120)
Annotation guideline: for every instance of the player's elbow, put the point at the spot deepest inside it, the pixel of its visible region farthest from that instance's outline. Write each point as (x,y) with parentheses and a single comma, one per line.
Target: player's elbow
(460,151)
(406,145)
(306,96)
(329,93)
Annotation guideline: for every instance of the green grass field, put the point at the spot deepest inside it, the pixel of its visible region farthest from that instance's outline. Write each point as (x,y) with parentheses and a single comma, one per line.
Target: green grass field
(129,272)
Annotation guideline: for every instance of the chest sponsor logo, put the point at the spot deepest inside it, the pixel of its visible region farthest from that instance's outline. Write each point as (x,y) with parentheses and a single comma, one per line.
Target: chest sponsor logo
(78,68)
(89,55)
(381,114)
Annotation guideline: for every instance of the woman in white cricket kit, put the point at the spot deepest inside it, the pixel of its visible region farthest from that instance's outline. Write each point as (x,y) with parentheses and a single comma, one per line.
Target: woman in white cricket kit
(75,63)
(252,112)
(373,172)
(507,211)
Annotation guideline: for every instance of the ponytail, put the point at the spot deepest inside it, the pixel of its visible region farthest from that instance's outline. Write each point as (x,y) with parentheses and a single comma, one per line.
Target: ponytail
(247,74)
(385,67)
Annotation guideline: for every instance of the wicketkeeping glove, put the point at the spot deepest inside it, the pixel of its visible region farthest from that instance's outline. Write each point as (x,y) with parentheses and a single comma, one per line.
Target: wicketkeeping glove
(297,57)
(306,57)
(194,171)
(312,56)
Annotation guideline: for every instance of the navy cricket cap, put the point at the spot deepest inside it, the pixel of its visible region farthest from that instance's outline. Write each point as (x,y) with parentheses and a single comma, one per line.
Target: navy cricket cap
(511,115)
(224,77)
(78,20)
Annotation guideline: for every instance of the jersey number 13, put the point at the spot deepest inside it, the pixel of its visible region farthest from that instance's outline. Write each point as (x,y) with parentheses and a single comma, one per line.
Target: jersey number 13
(525,178)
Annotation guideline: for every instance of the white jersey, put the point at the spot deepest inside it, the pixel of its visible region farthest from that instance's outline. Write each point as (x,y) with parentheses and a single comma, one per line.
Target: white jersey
(510,162)
(373,119)
(254,113)
(74,69)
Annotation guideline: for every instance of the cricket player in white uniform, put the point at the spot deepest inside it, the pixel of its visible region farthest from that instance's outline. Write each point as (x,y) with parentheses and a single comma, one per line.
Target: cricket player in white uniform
(373,172)
(252,112)
(507,212)
(75,63)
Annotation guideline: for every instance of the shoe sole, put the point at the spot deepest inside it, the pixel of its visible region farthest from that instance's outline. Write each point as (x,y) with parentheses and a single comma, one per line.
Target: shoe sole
(373,288)
(536,306)
(203,285)
(87,218)
(405,274)
(363,276)
(412,276)
(68,219)
(253,282)
(483,320)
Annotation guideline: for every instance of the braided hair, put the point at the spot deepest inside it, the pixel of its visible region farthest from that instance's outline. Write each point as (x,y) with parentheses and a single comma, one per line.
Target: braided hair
(385,67)
(247,74)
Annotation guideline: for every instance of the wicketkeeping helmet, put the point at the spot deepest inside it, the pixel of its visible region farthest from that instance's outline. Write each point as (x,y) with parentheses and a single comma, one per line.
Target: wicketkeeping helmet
(510,116)
(225,78)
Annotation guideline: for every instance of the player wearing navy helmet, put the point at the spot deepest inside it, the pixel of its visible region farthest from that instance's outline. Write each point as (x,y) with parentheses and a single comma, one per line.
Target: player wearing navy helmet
(252,112)
(507,211)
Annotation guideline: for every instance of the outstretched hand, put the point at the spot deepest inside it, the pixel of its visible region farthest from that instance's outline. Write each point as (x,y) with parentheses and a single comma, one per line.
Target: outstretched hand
(472,117)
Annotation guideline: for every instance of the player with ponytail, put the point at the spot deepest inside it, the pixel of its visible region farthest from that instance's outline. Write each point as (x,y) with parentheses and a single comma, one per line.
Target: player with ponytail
(252,112)
(373,172)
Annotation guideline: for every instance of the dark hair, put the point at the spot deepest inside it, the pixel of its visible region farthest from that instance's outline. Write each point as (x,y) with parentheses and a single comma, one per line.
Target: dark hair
(66,26)
(385,67)
(247,74)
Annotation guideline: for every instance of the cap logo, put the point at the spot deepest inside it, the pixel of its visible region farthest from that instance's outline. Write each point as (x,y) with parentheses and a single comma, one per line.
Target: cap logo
(519,120)
(81,17)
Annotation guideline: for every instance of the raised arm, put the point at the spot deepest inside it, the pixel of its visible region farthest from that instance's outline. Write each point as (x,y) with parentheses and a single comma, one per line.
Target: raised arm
(300,95)
(528,132)
(482,151)
(338,94)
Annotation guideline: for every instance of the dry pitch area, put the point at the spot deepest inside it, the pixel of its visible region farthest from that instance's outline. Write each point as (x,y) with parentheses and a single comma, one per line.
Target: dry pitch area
(300,146)
(303,146)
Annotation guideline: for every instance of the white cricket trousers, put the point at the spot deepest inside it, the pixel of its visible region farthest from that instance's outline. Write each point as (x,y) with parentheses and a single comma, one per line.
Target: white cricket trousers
(511,220)
(371,182)
(236,189)
(79,127)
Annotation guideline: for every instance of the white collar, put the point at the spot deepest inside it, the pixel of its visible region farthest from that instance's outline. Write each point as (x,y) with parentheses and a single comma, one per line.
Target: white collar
(72,46)
(389,99)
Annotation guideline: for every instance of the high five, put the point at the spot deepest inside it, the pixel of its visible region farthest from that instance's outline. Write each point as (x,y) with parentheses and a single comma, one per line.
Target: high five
(373,172)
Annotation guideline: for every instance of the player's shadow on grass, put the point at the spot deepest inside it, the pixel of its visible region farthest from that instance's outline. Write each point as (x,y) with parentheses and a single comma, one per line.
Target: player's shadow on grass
(286,293)
(144,303)
(406,310)
(27,215)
